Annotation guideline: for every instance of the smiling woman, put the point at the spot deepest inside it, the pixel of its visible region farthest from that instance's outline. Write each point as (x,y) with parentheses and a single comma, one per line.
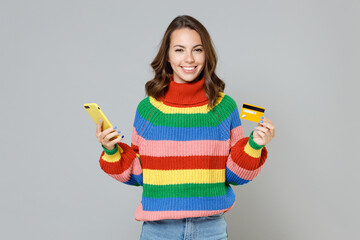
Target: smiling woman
(188,144)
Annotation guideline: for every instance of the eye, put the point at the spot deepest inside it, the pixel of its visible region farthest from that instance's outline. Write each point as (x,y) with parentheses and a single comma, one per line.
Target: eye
(198,50)
(178,50)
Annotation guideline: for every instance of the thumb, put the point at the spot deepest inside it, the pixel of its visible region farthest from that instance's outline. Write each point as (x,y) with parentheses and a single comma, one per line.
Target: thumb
(99,126)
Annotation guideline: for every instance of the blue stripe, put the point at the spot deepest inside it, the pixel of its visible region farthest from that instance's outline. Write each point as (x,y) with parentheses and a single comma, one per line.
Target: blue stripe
(187,134)
(139,122)
(235,119)
(220,133)
(234,179)
(189,204)
(136,180)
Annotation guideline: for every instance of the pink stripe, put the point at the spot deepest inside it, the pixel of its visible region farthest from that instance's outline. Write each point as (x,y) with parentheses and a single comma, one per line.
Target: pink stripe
(241,172)
(163,148)
(135,139)
(236,134)
(141,215)
(135,168)
(186,148)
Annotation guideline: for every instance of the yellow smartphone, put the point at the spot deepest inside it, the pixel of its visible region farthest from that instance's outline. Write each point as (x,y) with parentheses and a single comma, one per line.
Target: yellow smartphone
(96,114)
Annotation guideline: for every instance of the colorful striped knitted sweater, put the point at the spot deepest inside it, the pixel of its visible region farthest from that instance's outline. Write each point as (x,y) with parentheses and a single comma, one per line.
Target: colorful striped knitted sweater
(185,155)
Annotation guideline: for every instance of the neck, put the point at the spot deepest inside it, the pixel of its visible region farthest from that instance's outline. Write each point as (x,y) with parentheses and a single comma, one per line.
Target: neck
(185,94)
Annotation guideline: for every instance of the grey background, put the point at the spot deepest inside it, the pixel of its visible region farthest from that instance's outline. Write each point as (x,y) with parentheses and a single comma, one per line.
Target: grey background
(298,59)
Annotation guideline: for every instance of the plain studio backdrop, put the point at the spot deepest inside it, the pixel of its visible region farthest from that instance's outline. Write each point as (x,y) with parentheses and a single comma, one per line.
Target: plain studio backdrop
(298,59)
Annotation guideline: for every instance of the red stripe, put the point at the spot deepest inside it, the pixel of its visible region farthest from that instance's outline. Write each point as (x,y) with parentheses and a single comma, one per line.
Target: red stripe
(189,162)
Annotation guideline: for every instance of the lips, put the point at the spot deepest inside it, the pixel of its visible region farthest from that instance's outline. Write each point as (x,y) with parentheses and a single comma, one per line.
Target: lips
(188,69)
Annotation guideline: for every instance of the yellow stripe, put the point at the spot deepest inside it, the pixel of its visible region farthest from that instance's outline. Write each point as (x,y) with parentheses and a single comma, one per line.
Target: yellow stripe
(165,177)
(113,158)
(168,109)
(252,152)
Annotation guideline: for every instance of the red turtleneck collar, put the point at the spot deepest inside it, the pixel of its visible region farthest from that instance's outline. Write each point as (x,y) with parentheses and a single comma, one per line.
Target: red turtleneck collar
(185,94)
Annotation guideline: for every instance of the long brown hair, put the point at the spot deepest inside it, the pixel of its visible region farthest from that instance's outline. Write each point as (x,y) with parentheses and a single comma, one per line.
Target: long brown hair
(162,68)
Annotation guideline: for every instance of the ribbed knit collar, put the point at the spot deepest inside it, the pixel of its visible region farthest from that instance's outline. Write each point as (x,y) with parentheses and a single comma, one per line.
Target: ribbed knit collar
(185,94)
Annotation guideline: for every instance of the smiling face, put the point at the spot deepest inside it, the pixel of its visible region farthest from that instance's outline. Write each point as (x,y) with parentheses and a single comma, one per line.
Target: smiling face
(186,55)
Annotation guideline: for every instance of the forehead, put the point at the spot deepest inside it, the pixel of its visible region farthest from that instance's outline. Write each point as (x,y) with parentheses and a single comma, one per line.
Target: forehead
(185,36)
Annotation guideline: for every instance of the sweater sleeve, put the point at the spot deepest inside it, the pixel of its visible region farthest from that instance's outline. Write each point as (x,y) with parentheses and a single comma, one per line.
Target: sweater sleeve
(123,162)
(246,158)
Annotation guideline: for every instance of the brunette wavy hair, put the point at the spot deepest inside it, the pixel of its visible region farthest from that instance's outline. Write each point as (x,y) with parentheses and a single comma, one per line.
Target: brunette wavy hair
(162,68)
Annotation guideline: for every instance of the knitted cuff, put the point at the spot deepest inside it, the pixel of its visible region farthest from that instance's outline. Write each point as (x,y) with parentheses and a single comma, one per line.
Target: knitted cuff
(253,144)
(110,152)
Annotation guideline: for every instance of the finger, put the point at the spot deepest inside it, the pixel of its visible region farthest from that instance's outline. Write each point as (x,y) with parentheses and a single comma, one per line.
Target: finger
(109,130)
(110,136)
(269,133)
(272,131)
(268,124)
(117,140)
(265,134)
(102,135)
(260,134)
(255,134)
(263,129)
(267,120)
(99,127)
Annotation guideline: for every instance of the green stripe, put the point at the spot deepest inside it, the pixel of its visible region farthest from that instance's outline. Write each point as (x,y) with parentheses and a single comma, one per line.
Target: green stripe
(210,119)
(185,190)
(145,108)
(110,152)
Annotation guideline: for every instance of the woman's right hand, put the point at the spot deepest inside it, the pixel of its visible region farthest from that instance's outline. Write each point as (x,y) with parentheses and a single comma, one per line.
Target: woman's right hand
(104,137)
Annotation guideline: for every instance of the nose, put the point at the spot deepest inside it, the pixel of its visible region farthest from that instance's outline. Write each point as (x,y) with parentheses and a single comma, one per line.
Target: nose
(189,58)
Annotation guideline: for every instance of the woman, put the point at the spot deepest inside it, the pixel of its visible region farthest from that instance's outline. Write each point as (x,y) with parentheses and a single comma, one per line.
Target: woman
(188,145)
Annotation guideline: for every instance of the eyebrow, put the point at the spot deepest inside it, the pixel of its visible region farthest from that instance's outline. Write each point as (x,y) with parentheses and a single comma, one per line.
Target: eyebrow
(184,47)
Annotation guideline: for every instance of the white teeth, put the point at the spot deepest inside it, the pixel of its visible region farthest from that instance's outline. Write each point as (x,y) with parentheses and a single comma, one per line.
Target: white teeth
(187,68)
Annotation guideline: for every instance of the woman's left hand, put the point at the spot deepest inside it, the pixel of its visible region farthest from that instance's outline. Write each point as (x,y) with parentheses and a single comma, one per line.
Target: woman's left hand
(264,132)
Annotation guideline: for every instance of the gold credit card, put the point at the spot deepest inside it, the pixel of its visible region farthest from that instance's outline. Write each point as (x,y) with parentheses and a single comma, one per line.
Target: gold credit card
(252,112)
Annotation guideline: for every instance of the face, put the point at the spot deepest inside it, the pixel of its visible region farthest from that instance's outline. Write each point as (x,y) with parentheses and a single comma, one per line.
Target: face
(186,55)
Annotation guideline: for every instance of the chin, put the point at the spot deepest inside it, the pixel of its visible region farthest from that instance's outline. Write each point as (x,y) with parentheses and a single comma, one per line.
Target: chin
(189,79)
